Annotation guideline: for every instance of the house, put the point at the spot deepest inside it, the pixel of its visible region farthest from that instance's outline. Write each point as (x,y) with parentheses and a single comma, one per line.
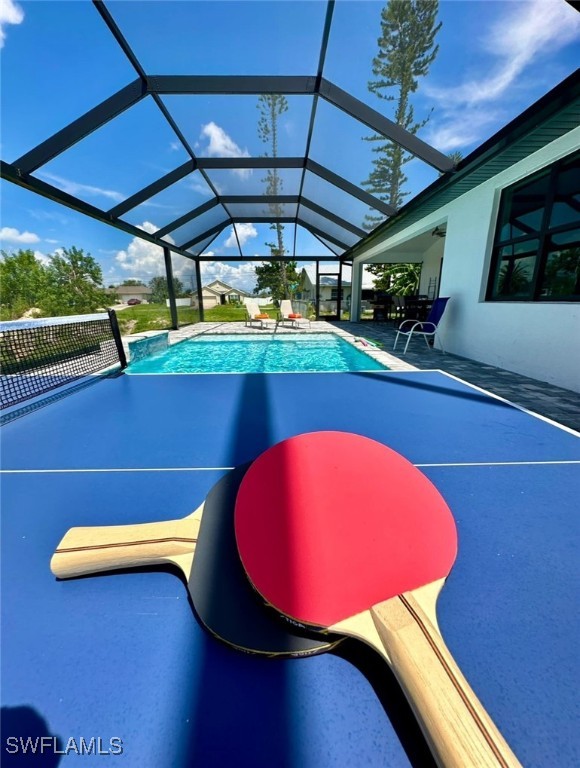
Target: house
(125,293)
(328,288)
(501,237)
(218,292)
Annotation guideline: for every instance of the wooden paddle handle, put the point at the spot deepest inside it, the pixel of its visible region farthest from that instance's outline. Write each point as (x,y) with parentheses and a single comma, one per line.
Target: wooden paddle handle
(454,722)
(108,548)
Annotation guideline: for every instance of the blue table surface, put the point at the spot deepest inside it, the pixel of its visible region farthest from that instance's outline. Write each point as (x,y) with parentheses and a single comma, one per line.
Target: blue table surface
(123,655)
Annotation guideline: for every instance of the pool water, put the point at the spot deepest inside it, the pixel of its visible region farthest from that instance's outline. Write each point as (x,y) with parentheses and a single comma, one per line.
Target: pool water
(266,354)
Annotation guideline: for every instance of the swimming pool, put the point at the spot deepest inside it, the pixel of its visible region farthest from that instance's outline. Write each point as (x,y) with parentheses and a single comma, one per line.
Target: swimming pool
(266,354)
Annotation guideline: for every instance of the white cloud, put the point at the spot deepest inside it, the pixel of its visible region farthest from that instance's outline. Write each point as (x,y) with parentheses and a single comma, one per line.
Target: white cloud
(41,215)
(517,39)
(237,275)
(462,130)
(142,259)
(10,13)
(50,240)
(202,188)
(174,146)
(221,144)
(12,235)
(74,188)
(44,258)
(245,232)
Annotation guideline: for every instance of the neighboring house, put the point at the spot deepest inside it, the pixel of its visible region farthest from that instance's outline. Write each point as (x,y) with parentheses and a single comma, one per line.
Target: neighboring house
(328,287)
(217,293)
(127,292)
(501,235)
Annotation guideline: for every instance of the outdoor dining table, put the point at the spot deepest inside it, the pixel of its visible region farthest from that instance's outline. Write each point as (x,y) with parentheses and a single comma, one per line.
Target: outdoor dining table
(417,308)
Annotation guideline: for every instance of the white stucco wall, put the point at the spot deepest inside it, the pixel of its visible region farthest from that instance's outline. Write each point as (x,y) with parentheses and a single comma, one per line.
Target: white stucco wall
(536,339)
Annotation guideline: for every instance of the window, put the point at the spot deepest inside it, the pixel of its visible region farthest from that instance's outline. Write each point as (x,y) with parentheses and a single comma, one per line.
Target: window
(536,255)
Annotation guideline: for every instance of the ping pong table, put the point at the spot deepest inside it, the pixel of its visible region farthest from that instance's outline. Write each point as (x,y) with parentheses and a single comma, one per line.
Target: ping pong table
(121,659)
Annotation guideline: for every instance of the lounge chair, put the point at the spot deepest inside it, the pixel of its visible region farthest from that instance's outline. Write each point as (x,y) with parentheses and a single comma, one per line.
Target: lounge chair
(426,328)
(255,315)
(288,315)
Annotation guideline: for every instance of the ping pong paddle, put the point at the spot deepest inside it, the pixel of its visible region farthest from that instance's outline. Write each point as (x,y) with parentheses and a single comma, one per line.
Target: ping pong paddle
(341,534)
(203,546)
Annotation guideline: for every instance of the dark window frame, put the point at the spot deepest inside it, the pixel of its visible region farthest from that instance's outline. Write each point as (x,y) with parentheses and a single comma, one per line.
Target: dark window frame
(543,235)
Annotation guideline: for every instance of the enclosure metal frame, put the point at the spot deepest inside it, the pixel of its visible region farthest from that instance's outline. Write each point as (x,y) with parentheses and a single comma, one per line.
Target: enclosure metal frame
(146,85)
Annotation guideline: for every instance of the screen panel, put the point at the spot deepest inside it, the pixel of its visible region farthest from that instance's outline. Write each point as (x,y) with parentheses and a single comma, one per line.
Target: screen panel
(341,203)
(275,210)
(327,227)
(41,92)
(227,125)
(175,37)
(172,202)
(108,166)
(256,181)
(198,225)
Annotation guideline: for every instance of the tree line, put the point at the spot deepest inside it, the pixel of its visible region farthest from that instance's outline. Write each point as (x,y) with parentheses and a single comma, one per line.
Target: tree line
(69,282)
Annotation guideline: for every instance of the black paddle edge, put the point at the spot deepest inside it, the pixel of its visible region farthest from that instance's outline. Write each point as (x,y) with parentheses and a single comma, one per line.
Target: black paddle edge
(321,648)
(223,599)
(325,644)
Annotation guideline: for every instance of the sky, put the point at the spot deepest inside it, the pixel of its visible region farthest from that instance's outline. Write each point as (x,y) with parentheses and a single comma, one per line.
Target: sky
(58,60)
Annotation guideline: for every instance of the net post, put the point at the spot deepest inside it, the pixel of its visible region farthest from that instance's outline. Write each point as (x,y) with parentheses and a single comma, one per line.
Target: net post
(117,336)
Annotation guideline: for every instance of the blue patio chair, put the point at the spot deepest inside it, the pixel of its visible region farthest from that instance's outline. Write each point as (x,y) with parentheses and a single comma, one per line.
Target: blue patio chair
(426,328)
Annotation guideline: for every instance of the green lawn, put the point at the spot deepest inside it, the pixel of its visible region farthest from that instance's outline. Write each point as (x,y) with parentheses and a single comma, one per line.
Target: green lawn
(151,317)
(156,317)
(229,313)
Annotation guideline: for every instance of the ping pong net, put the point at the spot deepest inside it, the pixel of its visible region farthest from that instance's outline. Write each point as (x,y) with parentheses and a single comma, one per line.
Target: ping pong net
(37,356)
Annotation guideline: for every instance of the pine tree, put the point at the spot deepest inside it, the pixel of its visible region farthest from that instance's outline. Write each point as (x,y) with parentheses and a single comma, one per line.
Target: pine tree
(406,51)
(272,106)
